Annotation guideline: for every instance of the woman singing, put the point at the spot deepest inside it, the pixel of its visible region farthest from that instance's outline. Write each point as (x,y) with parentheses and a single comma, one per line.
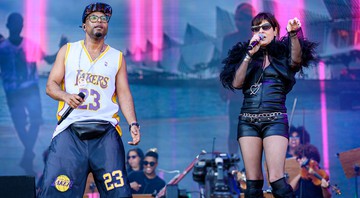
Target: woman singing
(264,68)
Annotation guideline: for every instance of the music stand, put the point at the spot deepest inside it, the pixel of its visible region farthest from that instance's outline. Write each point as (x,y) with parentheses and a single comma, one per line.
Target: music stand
(292,168)
(350,162)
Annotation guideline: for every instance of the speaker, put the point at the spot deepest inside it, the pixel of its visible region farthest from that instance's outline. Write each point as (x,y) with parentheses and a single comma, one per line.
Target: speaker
(17,186)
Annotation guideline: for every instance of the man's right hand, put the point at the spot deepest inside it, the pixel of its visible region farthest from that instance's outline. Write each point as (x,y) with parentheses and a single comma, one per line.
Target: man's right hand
(135,186)
(73,100)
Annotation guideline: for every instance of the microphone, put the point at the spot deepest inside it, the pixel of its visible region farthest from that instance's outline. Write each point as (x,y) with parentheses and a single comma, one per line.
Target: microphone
(69,109)
(255,43)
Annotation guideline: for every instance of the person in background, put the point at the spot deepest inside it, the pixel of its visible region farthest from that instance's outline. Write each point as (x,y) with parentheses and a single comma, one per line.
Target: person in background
(135,160)
(302,184)
(297,136)
(146,181)
(18,62)
(264,68)
(90,77)
(243,14)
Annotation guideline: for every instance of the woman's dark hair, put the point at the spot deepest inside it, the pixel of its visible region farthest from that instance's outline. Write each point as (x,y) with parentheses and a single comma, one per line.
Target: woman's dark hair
(309,151)
(140,153)
(267,17)
(303,134)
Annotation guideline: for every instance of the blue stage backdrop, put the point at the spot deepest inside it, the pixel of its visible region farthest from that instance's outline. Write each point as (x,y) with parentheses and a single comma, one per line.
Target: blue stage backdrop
(173,50)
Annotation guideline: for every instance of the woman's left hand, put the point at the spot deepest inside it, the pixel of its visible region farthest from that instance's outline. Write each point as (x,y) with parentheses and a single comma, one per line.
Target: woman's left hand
(293,25)
(324,183)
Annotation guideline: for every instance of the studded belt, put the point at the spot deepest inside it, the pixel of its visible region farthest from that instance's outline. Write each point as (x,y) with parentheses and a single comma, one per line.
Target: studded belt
(261,117)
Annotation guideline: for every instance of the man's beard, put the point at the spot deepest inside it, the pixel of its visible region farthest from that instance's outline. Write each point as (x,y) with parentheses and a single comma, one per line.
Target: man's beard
(98,35)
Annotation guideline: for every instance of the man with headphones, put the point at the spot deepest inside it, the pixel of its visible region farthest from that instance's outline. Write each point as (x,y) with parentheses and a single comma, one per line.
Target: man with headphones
(90,77)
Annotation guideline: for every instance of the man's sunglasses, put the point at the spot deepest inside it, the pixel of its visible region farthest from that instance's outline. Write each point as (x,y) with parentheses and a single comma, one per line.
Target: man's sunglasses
(147,163)
(95,18)
(131,156)
(265,27)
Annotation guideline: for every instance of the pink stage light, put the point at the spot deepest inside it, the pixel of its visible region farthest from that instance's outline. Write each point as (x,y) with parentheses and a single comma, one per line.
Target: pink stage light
(136,28)
(324,121)
(156,29)
(35,28)
(356,23)
(284,11)
(256,5)
(139,27)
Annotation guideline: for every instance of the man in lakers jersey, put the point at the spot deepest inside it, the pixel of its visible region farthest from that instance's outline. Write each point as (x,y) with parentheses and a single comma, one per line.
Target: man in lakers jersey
(89,77)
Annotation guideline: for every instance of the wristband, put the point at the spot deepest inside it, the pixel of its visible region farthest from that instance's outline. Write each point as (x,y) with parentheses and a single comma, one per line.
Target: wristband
(248,53)
(294,32)
(134,124)
(247,58)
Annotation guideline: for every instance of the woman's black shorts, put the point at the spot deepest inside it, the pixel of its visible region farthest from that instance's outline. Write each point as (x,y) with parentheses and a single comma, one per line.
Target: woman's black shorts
(263,126)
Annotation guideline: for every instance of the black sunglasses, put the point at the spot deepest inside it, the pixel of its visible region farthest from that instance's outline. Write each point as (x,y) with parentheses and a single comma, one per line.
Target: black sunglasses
(131,156)
(265,27)
(151,163)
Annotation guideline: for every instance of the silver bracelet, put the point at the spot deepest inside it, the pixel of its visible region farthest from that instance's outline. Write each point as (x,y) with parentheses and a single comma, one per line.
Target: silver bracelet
(247,58)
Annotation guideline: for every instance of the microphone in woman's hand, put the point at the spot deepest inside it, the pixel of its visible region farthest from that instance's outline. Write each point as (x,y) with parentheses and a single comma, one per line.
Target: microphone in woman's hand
(255,43)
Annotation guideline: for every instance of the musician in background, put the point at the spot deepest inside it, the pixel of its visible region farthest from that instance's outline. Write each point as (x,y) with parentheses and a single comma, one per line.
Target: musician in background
(303,183)
(146,181)
(297,136)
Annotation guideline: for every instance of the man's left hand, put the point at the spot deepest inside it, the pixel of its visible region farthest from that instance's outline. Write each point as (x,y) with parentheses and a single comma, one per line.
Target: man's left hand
(135,134)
